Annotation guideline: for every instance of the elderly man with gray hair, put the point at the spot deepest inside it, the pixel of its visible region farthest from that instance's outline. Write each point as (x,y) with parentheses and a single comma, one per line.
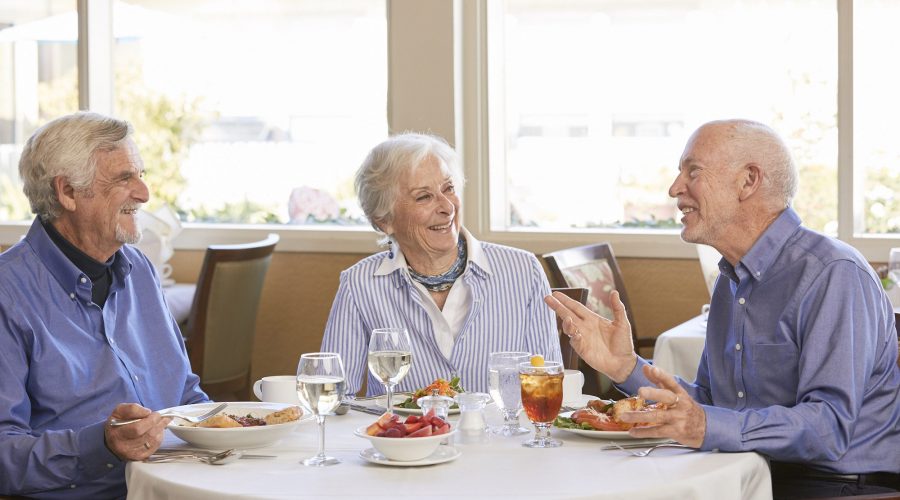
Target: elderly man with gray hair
(800,362)
(85,334)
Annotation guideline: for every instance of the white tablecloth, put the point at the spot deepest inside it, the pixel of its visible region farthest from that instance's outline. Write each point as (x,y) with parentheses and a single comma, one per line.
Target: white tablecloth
(498,467)
(678,350)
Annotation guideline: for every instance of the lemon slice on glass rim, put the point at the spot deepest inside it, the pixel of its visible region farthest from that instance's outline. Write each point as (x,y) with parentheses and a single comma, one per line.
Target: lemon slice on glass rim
(537,360)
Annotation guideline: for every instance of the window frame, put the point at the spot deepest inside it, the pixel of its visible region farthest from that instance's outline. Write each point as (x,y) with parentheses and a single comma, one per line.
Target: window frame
(454,101)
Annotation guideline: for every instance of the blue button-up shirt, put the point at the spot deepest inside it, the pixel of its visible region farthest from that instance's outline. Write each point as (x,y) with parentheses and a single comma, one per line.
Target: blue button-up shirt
(65,364)
(800,361)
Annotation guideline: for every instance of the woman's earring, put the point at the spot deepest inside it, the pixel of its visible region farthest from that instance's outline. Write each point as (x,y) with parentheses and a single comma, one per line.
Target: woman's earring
(390,249)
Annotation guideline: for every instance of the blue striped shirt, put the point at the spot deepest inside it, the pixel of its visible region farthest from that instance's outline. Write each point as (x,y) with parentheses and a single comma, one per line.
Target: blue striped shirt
(507,314)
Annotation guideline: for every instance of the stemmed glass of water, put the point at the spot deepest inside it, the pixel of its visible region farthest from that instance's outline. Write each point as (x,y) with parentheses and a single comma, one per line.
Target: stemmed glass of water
(894,266)
(390,356)
(505,389)
(320,386)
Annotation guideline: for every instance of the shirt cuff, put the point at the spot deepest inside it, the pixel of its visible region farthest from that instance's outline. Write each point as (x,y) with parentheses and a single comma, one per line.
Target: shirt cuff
(94,458)
(723,430)
(636,378)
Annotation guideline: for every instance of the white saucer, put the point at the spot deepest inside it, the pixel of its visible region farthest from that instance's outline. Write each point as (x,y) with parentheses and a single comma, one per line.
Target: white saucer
(441,455)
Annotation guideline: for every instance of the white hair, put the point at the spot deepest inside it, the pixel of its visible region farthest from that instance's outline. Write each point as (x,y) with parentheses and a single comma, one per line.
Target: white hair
(67,147)
(759,143)
(380,173)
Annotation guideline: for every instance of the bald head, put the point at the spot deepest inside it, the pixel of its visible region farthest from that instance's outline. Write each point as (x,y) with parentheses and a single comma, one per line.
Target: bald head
(742,142)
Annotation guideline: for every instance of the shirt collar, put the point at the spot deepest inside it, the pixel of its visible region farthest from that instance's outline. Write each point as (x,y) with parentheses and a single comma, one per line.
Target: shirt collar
(475,258)
(63,270)
(765,250)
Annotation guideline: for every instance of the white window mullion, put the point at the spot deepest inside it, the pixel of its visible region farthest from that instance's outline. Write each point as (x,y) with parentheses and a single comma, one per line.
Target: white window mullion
(95,79)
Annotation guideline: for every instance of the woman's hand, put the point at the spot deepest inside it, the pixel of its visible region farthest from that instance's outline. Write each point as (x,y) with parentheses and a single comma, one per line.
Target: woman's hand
(605,345)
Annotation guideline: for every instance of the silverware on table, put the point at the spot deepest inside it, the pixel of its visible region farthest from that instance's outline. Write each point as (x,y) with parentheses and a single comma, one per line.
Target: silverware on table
(194,419)
(365,409)
(648,448)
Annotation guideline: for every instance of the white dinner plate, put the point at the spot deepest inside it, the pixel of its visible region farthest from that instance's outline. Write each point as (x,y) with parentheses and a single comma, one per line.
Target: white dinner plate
(234,437)
(441,455)
(609,435)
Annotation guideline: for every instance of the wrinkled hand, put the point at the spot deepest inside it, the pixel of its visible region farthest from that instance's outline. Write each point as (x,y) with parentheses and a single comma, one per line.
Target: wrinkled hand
(605,345)
(139,440)
(684,420)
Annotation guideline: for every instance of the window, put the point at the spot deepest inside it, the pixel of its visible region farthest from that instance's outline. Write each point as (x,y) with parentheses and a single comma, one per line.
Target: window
(876,109)
(607,92)
(38,47)
(245,112)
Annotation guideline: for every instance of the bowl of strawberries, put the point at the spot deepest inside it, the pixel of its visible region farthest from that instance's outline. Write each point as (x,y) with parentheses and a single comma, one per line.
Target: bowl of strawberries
(406,440)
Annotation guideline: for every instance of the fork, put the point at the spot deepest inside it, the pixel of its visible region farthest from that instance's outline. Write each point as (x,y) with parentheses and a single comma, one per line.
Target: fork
(194,419)
(645,452)
(210,459)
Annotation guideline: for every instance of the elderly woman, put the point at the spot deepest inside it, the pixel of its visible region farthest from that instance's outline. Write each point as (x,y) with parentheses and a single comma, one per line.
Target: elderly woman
(459,299)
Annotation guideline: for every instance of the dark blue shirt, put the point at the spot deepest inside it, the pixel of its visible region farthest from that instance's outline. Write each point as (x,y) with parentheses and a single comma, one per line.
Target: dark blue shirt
(65,363)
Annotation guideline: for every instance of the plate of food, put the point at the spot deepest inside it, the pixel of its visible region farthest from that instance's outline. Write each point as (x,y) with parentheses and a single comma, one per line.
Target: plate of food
(600,418)
(240,425)
(409,404)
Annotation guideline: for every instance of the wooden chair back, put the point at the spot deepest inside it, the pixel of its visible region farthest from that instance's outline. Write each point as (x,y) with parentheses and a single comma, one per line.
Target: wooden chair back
(594,267)
(222,323)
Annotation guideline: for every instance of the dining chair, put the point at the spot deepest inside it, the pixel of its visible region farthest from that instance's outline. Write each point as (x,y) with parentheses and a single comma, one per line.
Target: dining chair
(595,383)
(594,267)
(222,322)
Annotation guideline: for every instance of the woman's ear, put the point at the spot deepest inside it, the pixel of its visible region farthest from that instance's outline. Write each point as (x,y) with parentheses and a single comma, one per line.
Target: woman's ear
(385,226)
(65,193)
(751,181)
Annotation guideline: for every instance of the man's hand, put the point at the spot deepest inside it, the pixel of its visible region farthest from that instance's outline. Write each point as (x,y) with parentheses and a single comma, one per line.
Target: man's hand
(139,440)
(605,345)
(684,420)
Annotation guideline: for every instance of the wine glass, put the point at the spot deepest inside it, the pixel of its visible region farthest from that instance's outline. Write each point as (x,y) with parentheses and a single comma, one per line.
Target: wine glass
(390,356)
(505,389)
(320,386)
(542,394)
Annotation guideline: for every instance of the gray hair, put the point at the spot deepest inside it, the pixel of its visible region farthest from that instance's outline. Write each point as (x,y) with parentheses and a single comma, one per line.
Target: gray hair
(67,147)
(380,173)
(759,143)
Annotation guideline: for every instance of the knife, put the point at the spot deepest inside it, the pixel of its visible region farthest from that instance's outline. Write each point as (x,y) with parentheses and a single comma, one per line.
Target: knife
(190,452)
(365,409)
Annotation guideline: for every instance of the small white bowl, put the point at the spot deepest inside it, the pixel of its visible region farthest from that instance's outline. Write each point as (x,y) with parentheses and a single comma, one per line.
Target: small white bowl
(405,449)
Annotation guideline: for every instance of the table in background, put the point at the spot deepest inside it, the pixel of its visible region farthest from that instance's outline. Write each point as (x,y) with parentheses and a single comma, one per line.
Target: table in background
(678,350)
(498,467)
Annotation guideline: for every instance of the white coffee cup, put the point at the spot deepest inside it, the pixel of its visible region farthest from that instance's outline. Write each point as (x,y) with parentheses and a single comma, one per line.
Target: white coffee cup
(573,381)
(277,389)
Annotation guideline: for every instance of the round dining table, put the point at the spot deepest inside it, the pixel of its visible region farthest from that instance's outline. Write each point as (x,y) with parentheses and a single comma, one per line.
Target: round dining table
(488,466)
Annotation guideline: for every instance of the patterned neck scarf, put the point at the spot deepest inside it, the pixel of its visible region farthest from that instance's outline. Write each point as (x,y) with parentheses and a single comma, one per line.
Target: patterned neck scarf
(444,281)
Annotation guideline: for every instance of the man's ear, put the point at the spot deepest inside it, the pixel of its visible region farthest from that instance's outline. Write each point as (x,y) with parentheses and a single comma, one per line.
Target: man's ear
(65,193)
(751,179)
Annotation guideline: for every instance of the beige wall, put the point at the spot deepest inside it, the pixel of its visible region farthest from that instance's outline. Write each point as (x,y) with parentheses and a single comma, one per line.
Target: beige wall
(300,287)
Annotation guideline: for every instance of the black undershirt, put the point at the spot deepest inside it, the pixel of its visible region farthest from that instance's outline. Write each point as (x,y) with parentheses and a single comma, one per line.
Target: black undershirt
(99,273)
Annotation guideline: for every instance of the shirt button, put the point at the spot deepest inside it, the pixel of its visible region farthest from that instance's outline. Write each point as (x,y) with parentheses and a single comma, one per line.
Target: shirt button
(72,486)
(83,279)
(109,466)
(741,301)
(112,341)
(740,394)
(72,296)
(737,347)
(135,378)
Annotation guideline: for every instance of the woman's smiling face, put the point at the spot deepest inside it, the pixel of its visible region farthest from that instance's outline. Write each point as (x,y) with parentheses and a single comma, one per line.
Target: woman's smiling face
(425,218)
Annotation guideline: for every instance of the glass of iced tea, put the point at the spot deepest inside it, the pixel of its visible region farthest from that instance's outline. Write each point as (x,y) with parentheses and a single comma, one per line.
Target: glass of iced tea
(542,392)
